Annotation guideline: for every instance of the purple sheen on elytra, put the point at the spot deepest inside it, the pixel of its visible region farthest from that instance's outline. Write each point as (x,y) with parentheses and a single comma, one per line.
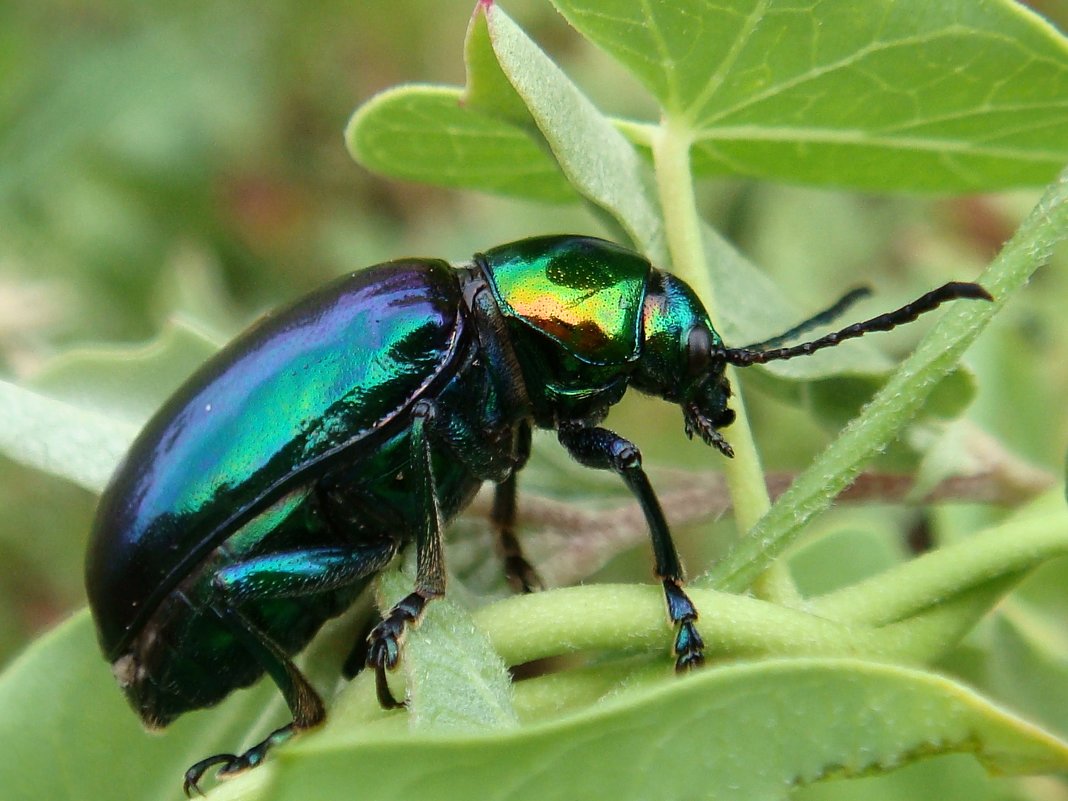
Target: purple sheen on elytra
(266,408)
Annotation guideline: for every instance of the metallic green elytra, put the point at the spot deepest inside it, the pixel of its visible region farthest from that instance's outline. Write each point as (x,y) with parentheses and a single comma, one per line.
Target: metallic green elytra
(291,468)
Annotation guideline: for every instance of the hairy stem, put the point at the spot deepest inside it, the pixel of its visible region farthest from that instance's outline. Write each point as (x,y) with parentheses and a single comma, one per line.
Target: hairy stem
(899,400)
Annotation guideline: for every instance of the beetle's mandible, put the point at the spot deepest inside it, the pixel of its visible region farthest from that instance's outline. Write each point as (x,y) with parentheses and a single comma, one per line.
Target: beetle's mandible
(294,465)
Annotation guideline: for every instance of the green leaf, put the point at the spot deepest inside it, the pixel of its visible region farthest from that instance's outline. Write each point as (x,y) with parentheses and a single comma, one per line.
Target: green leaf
(800,720)
(424,133)
(891,95)
(61,438)
(127,381)
(597,160)
(751,307)
(68,733)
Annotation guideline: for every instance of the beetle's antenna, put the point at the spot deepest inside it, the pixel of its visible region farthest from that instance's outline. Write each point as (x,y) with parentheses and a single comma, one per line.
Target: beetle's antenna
(742,357)
(825,316)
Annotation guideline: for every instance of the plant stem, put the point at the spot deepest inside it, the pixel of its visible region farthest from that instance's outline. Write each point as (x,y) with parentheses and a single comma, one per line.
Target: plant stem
(745,477)
(671,154)
(900,398)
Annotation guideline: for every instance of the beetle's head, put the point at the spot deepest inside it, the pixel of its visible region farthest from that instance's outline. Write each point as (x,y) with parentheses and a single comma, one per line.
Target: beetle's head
(680,359)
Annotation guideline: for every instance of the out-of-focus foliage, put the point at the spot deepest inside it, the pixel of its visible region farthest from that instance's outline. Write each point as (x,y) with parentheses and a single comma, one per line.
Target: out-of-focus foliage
(179,167)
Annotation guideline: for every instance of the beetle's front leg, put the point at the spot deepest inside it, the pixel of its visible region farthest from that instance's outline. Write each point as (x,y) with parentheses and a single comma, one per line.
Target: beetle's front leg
(605,450)
(384,642)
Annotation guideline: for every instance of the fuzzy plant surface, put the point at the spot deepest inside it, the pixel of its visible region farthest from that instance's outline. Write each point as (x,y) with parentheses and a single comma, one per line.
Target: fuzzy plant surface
(901,680)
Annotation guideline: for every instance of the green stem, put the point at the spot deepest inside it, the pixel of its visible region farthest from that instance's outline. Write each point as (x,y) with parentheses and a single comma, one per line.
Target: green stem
(630,618)
(914,586)
(745,476)
(899,400)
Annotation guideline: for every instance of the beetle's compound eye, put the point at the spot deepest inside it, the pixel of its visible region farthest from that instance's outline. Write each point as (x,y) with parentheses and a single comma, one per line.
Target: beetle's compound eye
(698,350)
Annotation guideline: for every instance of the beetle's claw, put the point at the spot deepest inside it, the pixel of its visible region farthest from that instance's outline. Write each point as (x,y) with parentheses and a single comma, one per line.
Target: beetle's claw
(521,575)
(383,653)
(689,646)
(384,643)
(232,764)
(197,771)
(385,695)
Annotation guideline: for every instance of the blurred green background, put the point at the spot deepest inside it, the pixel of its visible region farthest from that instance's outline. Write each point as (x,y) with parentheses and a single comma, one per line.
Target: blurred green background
(186,160)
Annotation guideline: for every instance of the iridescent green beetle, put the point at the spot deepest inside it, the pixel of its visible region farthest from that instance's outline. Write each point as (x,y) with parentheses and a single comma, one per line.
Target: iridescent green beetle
(294,465)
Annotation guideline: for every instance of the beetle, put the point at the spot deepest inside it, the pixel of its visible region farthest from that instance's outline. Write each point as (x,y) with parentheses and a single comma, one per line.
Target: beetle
(268,491)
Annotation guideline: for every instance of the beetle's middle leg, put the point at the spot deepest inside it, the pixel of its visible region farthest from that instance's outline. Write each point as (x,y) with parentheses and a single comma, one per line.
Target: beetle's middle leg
(605,450)
(384,642)
(520,573)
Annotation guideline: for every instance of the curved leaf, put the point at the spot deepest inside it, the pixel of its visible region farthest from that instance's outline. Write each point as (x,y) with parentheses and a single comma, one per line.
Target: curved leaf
(799,720)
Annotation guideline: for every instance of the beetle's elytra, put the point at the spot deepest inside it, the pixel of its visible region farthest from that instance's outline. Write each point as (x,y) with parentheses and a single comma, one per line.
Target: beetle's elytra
(294,465)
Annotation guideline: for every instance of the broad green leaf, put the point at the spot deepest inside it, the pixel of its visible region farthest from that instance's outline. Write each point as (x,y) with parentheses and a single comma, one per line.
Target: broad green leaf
(889,95)
(750,305)
(800,720)
(68,732)
(425,133)
(60,438)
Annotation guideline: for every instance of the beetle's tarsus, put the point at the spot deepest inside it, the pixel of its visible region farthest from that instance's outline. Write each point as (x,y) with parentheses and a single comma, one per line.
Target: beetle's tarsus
(689,647)
(521,575)
(232,764)
(384,643)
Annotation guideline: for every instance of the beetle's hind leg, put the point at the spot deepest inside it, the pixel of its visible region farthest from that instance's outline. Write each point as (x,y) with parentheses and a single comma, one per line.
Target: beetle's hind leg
(384,642)
(281,575)
(305,704)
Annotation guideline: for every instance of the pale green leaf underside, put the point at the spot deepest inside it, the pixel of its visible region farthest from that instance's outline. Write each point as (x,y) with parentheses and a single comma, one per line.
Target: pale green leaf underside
(891,94)
(798,719)
(80,445)
(126,381)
